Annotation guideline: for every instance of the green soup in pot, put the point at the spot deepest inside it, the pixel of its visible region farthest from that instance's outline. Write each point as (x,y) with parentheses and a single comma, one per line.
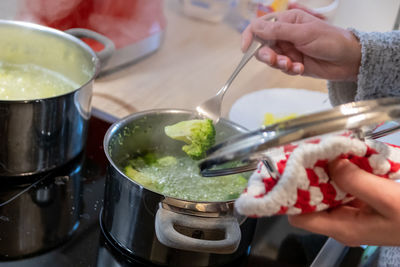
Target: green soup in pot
(28,82)
(179,177)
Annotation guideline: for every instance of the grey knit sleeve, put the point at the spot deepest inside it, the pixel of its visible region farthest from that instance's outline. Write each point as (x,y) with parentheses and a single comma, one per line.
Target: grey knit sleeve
(379,73)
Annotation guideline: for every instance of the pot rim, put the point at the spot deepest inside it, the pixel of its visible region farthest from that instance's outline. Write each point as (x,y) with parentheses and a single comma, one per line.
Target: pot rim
(62,35)
(174,201)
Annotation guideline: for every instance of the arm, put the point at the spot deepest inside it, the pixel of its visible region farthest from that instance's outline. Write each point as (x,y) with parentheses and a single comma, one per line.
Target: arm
(358,65)
(308,46)
(379,73)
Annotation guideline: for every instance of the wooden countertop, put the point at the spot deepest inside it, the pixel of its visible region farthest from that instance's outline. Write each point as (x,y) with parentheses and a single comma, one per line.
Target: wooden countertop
(194,61)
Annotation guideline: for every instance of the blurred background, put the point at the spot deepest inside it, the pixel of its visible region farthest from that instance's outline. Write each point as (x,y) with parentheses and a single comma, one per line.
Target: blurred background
(166,48)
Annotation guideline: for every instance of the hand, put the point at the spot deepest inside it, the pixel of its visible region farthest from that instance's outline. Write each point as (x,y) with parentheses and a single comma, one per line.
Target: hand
(372,219)
(295,5)
(306,45)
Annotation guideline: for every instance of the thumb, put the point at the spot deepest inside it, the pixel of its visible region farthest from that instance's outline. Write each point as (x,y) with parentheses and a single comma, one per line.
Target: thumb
(278,31)
(380,193)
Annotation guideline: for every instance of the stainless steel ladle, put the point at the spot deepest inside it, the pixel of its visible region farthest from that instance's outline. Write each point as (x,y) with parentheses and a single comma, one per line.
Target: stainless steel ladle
(211,108)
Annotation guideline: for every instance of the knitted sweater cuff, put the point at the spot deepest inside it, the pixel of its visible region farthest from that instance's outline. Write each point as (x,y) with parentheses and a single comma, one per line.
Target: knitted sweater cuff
(341,92)
(379,73)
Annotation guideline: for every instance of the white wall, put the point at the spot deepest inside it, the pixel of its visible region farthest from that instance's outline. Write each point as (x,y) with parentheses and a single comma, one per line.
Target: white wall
(367,15)
(8,8)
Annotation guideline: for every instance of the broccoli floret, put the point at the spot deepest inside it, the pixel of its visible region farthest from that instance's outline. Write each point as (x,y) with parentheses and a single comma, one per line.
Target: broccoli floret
(143,161)
(150,158)
(199,135)
(139,177)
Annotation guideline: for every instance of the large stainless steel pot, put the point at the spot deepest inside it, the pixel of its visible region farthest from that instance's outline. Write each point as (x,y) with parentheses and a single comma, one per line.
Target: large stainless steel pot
(158,228)
(41,134)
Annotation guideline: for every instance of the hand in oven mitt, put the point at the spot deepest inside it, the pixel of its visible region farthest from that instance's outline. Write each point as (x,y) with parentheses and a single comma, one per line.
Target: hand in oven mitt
(304,184)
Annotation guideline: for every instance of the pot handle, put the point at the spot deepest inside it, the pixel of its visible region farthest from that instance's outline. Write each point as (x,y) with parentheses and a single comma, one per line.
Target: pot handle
(109,47)
(170,237)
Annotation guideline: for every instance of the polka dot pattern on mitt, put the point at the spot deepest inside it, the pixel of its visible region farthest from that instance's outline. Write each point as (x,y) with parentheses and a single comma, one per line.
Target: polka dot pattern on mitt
(303,185)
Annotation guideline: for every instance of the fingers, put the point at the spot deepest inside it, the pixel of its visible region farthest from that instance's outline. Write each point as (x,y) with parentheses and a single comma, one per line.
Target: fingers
(297,69)
(247,37)
(289,30)
(291,16)
(287,27)
(267,55)
(289,50)
(380,193)
(247,34)
(372,219)
(305,9)
(324,222)
(279,61)
(346,224)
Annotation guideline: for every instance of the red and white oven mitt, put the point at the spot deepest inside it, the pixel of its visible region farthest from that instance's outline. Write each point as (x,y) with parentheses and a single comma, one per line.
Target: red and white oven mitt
(303,184)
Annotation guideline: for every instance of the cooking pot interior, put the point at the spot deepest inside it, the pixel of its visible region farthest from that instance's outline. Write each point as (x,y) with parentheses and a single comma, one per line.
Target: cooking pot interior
(144,132)
(25,43)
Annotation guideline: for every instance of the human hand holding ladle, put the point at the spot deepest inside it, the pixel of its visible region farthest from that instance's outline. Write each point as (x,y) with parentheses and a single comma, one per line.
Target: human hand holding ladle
(211,108)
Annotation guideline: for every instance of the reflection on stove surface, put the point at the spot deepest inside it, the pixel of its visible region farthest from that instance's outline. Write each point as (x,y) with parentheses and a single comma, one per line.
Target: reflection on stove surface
(109,255)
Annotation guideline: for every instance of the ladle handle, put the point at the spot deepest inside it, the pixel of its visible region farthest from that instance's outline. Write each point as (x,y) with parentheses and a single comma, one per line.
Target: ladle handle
(253,48)
(256,44)
(167,222)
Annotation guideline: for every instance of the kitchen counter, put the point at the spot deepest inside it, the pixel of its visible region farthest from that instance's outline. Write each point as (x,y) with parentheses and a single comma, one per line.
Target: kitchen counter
(193,63)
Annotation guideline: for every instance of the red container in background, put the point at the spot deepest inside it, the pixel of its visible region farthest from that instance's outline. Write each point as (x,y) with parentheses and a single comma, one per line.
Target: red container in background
(135,26)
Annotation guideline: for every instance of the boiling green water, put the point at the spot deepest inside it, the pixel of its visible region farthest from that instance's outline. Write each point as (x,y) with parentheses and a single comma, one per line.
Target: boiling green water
(180,178)
(27,82)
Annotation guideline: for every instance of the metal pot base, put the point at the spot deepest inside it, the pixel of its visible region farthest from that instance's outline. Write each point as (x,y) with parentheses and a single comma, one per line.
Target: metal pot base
(179,257)
(119,248)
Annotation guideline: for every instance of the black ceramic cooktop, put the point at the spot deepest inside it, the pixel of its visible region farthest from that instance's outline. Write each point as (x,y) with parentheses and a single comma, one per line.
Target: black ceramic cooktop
(52,219)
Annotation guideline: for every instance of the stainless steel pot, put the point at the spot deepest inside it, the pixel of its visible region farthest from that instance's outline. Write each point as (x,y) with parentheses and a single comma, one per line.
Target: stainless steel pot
(36,217)
(41,134)
(158,228)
